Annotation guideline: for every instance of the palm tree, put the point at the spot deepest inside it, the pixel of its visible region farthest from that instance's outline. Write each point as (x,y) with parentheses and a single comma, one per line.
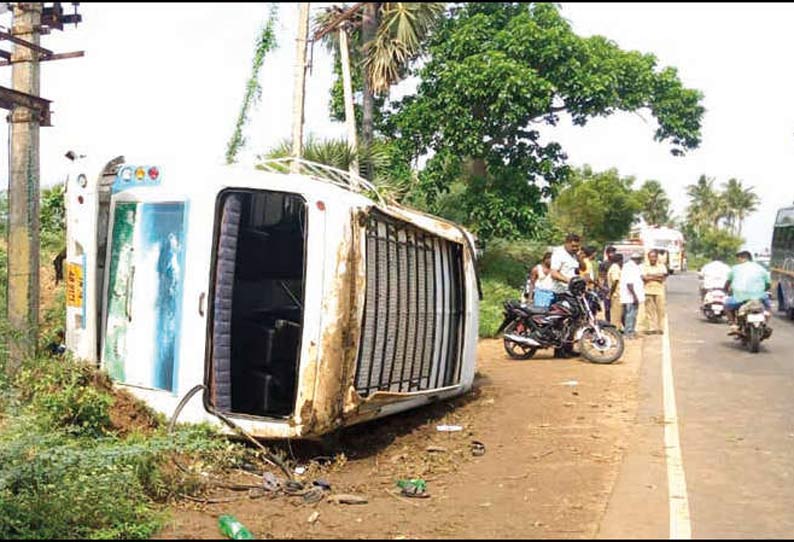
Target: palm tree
(704,206)
(338,154)
(740,202)
(655,203)
(388,36)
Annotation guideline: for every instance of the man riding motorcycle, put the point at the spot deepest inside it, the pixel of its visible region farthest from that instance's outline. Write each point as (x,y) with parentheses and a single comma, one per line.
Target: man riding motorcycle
(746,281)
(713,276)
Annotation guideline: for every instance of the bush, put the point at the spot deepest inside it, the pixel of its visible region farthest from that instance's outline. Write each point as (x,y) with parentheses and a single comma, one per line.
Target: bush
(68,472)
(503,271)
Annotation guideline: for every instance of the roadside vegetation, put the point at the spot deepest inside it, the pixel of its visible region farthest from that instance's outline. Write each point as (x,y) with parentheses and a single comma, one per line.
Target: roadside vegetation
(82,460)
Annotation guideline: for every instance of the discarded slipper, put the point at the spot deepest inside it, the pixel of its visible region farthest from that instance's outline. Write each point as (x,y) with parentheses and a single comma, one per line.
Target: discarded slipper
(477,448)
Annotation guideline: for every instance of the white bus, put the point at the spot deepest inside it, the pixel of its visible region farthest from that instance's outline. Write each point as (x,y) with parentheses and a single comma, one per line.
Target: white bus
(669,240)
(301,302)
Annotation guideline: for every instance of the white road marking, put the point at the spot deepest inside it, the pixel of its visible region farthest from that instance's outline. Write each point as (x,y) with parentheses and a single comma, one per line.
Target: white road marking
(680,525)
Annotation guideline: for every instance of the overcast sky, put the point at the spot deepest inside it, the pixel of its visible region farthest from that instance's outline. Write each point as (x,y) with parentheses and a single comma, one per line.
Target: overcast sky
(171,77)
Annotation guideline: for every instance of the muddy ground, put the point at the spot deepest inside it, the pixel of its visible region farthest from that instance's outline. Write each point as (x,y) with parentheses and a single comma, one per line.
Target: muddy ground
(552,452)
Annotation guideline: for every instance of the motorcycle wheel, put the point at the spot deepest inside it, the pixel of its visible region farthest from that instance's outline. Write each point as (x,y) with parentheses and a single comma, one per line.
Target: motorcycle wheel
(515,350)
(755,339)
(713,318)
(608,352)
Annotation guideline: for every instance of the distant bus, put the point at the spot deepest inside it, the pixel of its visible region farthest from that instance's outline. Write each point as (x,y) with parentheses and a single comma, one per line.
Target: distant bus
(782,260)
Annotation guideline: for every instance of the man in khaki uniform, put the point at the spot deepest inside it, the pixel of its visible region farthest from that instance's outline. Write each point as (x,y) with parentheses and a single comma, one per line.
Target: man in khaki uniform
(613,282)
(654,276)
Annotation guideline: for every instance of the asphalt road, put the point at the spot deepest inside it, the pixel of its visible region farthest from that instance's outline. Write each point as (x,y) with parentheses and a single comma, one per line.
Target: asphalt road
(736,426)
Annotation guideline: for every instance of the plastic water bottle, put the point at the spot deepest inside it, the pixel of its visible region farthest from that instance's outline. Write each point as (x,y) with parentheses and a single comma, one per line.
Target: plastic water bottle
(232,528)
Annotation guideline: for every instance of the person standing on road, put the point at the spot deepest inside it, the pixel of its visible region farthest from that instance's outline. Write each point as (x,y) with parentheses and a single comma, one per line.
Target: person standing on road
(632,293)
(613,281)
(540,283)
(654,276)
(603,281)
(565,265)
(588,260)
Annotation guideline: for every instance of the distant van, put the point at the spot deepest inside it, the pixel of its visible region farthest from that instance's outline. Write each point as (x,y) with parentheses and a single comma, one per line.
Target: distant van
(302,302)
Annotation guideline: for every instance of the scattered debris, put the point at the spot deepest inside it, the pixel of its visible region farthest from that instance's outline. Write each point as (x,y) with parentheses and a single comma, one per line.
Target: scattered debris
(323,484)
(415,487)
(477,448)
(313,495)
(293,486)
(570,383)
(270,482)
(300,470)
(314,517)
(344,498)
(449,428)
(231,527)
(435,449)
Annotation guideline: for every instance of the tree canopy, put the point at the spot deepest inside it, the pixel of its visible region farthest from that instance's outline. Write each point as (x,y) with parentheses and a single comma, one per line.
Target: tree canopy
(654,203)
(495,73)
(600,205)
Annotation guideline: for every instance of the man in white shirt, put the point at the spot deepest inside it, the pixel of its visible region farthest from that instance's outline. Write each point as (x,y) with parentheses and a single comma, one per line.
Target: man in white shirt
(632,293)
(713,275)
(565,263)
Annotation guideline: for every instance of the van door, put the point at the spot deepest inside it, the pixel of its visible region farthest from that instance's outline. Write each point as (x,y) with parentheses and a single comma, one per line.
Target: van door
(143,293)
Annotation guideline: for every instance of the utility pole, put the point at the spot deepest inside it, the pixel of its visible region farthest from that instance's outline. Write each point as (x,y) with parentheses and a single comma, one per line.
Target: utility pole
(350,115)
(23,190)
(300,85)
(27,113)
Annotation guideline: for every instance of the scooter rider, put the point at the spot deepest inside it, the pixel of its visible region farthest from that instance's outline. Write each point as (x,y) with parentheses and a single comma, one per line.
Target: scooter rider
(713,276)
(747,280)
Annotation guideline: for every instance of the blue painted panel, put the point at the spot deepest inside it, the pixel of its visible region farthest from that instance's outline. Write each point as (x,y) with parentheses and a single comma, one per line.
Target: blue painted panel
(162,229)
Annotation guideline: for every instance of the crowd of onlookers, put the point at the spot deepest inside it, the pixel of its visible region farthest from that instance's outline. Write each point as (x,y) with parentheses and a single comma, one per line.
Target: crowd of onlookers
(631,291)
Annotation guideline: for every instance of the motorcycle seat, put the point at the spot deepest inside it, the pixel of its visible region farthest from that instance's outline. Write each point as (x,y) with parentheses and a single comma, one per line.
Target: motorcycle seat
(533,311)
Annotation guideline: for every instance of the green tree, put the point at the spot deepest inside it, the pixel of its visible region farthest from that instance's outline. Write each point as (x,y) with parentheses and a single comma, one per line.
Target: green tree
(385,38)
(599,205)
(654,203)
(498,71)
(705,206)
(392,177)
(739,202)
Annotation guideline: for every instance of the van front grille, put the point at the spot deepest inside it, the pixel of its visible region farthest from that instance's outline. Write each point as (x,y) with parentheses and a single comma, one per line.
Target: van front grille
(412,337)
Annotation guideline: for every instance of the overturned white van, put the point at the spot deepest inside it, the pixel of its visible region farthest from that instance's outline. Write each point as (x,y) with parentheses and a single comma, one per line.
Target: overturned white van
(303,302)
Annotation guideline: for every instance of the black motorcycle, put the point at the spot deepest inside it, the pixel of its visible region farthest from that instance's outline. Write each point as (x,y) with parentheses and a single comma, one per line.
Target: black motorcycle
(570,320)
(753,321)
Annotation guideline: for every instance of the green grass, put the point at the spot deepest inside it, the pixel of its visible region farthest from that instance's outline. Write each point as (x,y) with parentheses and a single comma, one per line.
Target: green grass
(503,271)
(66,469)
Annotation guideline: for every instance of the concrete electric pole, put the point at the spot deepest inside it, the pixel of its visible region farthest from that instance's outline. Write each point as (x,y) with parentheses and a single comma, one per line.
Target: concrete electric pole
(23,190)
(27,113)
(300,84)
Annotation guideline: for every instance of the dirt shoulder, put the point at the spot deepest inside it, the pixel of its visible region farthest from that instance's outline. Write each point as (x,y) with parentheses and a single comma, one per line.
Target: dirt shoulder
(552,455)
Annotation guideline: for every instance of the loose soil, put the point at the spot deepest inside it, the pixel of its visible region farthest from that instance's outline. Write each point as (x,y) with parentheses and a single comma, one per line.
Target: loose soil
(552,455)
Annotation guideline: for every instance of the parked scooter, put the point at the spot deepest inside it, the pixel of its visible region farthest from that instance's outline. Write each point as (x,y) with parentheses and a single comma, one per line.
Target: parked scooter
(752,319)
(568,321)
(713,304)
